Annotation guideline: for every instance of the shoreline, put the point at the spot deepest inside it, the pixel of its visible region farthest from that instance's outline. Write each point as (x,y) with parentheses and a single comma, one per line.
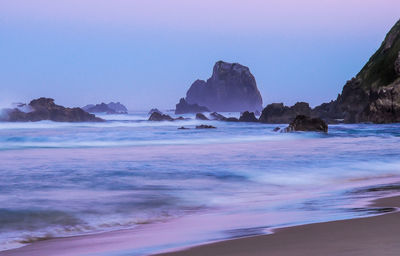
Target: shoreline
(372,235)
(306,239)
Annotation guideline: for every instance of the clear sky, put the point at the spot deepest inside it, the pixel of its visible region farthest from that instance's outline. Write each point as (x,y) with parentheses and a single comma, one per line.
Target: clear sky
(147,53)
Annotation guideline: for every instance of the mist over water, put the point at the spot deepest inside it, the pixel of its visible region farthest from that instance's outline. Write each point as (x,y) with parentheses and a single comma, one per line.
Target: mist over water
(64,179)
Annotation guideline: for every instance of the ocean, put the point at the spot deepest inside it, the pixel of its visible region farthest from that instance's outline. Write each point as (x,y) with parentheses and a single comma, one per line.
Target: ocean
(240,179)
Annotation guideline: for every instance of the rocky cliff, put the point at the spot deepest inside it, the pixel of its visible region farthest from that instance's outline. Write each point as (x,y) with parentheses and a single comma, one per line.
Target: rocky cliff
(231,87)
(373,95)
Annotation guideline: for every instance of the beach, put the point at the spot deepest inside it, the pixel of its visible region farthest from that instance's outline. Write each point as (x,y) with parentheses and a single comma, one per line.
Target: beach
(379,235)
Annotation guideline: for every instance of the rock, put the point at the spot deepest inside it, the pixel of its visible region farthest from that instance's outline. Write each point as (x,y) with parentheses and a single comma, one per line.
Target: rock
(277,113)
(154,110)
(231,88)
(200,116)
(181,118)
(183,128)
(183,107)
(373,95)
(46,109)
(203,126)
(276,129)
(118,107)
(305,123)
(248,117)
(110,108)
(160,117)
(231,119)
(216,116)
(397,64)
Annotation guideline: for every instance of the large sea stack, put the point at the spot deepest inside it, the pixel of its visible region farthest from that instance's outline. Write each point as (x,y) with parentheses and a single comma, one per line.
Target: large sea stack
(231,88)
(374,94)
(45,109)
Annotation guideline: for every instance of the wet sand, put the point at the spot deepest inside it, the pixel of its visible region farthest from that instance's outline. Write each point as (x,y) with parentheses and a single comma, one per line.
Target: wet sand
(372,236)
(378,235)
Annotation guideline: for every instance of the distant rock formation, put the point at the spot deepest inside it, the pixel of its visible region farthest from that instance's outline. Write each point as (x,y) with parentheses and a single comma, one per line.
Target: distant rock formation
(248,117)
(154,110)
(231,88)
(305,123)
(183,107)
(46,109)
(110,108)
(374,94)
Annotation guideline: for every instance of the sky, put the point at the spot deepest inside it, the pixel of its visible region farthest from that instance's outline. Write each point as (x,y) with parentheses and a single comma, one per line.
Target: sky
(147,53)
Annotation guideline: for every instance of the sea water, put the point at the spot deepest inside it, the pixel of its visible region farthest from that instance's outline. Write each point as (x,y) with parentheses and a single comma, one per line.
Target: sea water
(66,179)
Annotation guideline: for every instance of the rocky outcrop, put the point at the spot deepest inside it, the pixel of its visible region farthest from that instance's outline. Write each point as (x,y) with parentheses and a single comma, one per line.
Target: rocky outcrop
(110,108)
(277,113)
(373,95)
(248,117)
(231,87)
(46,109)
(183,107)
(155,116)
(305,123)
(200,116)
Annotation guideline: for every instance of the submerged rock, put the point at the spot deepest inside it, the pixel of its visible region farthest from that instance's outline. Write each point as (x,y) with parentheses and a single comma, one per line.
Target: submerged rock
(200,116)
(46,109)
(203,126)
(248,117)
(305,123)
(183,107)
(155,116)
(276,129)
(231,88)
(183,128)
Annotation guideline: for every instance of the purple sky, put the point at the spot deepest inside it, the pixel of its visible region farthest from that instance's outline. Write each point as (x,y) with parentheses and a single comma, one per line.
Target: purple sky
(147,53)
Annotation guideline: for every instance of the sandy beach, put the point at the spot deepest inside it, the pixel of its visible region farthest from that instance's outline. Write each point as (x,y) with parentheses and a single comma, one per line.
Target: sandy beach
(379,235)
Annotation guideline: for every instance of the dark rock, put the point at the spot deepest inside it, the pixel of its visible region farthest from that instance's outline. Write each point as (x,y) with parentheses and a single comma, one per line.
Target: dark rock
(46,109)
(183,128)
(154,110)
(183,107)
(200,116)
(276,129)
(231,88)
(160,117)
(248,117)
(277,113)
(305,123)
(203,126)
(231,119)
(110,108)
